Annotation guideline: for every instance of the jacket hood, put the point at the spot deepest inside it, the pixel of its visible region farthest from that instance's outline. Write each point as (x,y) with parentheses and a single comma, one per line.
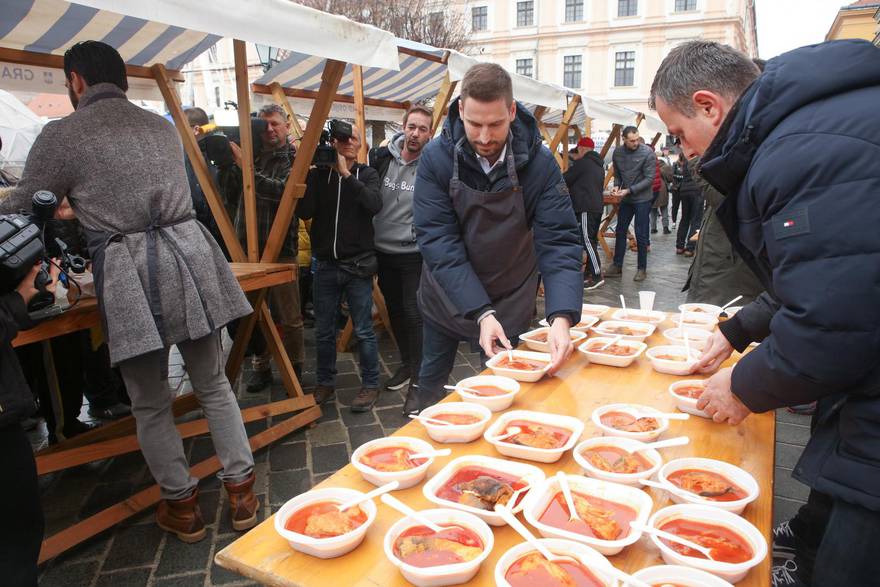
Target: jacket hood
(525,136)
(395,146)
(789,82)
(593,155)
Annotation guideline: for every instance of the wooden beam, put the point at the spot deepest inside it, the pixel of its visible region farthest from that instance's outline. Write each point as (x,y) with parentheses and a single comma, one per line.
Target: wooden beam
(656,139)
(107,518)
(360,113)
(57,62)
(243,335)
(249,193)
(191,148)
(615,132)
(294,188)
(279,353)
(639,119)
(421,55)
(562,131)
(96,451)
(341,98)
(588,127)
(577,133)
(281,99)
(441,103)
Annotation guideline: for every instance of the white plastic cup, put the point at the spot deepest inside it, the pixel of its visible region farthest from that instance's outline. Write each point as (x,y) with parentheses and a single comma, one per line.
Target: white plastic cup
(646,300)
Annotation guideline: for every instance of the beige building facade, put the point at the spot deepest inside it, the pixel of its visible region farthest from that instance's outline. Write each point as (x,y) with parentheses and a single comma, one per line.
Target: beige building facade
(607,49)
(856,21)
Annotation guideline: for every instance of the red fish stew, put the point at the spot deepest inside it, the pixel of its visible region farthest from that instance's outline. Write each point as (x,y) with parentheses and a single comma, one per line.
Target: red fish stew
(726,545)
(481,488)
(323,519)
(486,390)
(420,546)
(520,364)
(627,423)
(689,391)
(533,570)
(599,518)
(536,435)
(614,459)
(456,418)
(707,484)
(390,459)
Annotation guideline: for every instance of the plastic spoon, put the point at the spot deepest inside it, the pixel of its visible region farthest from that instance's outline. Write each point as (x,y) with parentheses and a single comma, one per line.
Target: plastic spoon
(569,501)
(427,420)
(678,441)
(404,509)
(623,305)
(668,487)
(512,431)
(613,341)
(428,454)
(467,389)
(367,496)
(707,552)
(731,302)
(655,415)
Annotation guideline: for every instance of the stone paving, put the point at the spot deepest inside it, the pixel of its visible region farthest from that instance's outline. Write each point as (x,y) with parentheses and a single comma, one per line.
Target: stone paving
(137,553)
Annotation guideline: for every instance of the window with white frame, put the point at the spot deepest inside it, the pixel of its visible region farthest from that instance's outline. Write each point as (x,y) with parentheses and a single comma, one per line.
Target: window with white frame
(685,5)
(479,18)
(435,20)
(624,68)
(571,71)
(526,67)
(525,13)
(574,10)
(627,7)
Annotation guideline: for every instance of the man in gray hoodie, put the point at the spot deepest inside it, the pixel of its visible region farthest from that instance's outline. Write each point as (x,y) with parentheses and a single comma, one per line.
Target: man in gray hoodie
(634,168)
(400,263)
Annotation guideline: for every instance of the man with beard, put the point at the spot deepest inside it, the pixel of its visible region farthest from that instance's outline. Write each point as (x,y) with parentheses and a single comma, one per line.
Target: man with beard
(400,263)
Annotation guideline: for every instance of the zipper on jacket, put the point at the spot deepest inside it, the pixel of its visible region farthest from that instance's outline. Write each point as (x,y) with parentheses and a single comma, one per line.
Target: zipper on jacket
(357,175)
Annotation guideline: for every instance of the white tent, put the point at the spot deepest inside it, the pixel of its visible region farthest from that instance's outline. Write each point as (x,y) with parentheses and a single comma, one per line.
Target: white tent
(19,128)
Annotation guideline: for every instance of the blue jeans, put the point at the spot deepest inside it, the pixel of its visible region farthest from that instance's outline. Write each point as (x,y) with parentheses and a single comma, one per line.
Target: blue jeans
(642,213)
(330,282)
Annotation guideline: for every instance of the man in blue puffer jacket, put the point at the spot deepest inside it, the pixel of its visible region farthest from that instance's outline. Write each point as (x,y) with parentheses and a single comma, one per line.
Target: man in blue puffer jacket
(490,210)
(795,152)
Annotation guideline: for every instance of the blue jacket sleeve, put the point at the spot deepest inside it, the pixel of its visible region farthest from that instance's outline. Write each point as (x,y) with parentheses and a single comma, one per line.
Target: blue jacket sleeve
(558,245)
(438,234)
(813,226)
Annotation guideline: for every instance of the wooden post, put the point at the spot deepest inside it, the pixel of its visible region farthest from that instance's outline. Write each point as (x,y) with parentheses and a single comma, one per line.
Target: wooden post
(639,118)
(577,133)
(442,102)
(656,139)
(191,148)
(360,114)
(281,99)
(248,191)
(588,127)
(539,114)
(562,133)
(615,133)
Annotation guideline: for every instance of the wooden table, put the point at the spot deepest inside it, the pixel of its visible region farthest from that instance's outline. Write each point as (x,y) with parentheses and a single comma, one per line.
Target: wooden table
(578,389)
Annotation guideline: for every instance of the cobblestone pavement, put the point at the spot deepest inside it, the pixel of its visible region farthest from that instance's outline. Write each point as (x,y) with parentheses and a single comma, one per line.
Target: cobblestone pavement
(137,553)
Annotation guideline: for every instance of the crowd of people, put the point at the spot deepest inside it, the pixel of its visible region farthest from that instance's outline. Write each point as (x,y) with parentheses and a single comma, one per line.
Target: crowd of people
(460,231)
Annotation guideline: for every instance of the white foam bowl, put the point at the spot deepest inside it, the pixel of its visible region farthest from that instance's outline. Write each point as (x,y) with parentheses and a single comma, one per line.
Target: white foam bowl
(531,474)
(701,320)
(538,500)
(710,309)
(686,404)
(644,330)
(495,403)
(586,321)
(587,556)
(672,367)
(738,476)
(653,317)
(576,337)
(631,479)
(324,547)
(684,576)
(526,376)
(597,310)
(541,455)
(642,436)
(697,337)
(730,572)
(406,478)
(612,360)
(443,574)
(456,433)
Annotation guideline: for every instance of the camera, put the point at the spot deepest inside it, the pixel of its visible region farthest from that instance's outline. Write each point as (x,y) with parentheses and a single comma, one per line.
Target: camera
(325,155)
(217,143)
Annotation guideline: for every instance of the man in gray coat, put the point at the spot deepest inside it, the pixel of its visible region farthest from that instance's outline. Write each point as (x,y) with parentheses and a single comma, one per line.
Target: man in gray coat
(634,170)
(161,278)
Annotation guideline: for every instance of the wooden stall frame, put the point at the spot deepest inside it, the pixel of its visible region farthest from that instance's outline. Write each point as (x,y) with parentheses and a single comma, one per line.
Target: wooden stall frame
(249,192)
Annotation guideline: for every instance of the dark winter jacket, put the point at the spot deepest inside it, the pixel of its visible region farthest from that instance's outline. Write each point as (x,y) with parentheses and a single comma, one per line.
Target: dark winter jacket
(665,181)
(16,401)
(683,177)
(634,170)
(342,211)
(585,179)
(797,160)
(547,206)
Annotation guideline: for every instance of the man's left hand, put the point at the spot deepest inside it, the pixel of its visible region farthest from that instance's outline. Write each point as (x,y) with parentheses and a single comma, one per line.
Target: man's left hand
(559,341)
(719,401)
(236,153)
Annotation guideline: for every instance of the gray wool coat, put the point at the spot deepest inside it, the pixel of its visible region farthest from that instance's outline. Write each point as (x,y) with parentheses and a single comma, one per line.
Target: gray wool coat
(122,170)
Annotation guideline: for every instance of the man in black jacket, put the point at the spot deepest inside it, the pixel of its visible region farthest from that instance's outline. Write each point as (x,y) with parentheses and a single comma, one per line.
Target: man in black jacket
(342,202)
(795,153)
(585,179)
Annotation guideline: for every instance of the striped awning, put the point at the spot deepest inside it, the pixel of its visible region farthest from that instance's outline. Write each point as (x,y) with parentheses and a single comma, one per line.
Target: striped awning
(53,26)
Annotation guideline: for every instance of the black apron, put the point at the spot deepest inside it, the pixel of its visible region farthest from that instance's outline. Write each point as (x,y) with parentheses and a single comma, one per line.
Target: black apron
(501,251)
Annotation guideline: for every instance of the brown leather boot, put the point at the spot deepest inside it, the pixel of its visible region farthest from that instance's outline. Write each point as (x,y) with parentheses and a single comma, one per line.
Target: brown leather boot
(182,517)
(243,504)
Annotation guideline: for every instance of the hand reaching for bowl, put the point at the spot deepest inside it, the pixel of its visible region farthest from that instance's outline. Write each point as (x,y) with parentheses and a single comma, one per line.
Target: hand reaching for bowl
(559,341)
(717,350)
(491,331)
(719,401)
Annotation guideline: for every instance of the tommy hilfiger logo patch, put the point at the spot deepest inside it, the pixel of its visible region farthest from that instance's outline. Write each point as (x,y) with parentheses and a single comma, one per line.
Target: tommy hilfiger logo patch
(790,223)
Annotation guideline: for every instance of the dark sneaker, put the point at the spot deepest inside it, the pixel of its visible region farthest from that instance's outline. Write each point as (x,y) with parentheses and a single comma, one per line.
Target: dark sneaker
(785,542)
(399,380)
(667,231)
(613,271)
(640,275)
(785,575)
(257,381)
(324,393)
(114,412)
(365,399)
(653,231)
(803,409)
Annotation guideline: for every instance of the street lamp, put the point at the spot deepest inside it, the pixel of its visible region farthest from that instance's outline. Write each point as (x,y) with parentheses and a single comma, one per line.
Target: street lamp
(267,55)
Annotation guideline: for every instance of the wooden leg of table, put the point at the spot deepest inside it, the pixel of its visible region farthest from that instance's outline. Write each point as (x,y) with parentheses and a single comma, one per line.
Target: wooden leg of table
(344,337)
(48,462)
(279,353)
(379,301)
(603,227)
(243,335)
(81,531)
(55,399)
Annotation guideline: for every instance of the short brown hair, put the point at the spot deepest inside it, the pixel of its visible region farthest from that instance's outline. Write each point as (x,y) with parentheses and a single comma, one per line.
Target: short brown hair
(487,82)
(419,109)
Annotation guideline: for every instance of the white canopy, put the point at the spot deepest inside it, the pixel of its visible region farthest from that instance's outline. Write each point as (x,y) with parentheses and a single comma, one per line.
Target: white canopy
(19,128)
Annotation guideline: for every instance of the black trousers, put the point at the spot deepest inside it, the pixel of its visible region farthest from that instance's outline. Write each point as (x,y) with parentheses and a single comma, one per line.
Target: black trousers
(21,516)
(399,277)
(676,202)
(691,219)
(589,223)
